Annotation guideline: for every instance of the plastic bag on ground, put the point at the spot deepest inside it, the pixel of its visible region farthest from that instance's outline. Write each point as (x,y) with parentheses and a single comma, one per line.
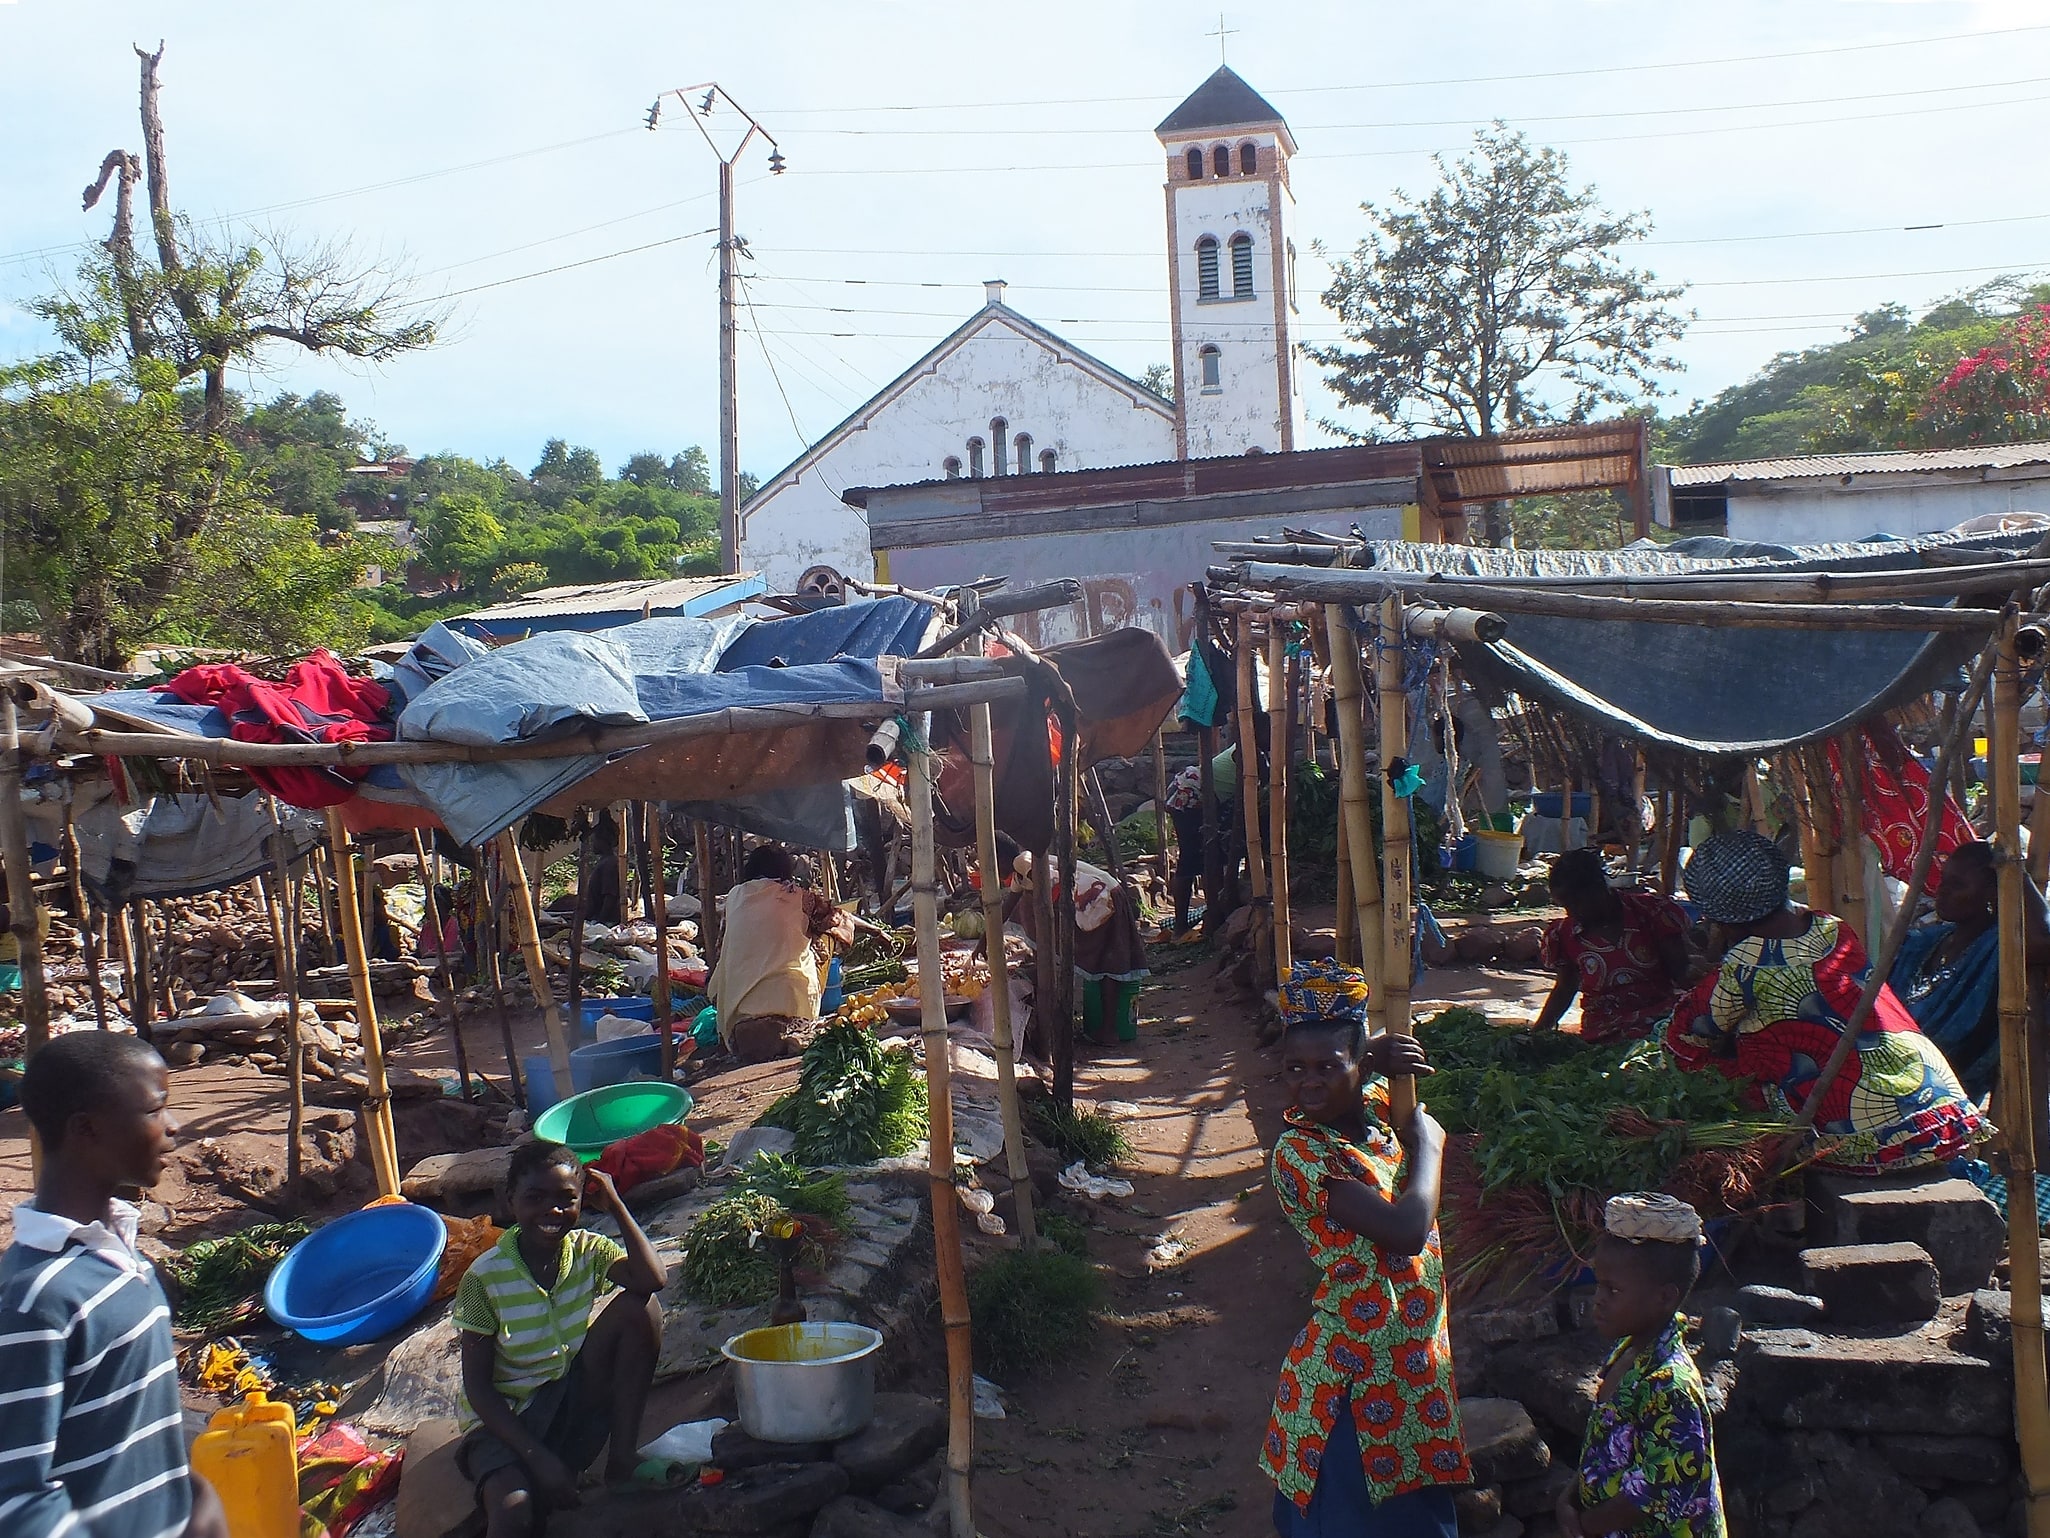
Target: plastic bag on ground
(1076,1177)
(690,1443)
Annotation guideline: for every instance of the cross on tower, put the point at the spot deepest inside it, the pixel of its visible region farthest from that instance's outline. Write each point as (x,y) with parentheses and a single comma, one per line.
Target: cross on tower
(1221,34)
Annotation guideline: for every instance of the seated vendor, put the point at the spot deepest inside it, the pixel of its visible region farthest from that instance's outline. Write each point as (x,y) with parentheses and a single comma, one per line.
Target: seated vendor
(1777,1003)
(1623,952)
(1948,971)
(767,983)
(1109,950)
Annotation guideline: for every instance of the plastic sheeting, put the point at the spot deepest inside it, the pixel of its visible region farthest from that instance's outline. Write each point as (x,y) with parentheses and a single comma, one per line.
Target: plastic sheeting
(176,846)
(885,627)
(1700,689)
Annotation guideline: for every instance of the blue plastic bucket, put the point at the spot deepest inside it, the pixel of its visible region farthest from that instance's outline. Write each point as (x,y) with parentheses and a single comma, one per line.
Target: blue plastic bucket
(359,1277)
(538,1074)
(1546,803)
(615,1061)
(631,1007)
(834,995)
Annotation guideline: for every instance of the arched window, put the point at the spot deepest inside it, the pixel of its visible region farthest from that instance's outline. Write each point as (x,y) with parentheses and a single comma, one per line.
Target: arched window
(1249,159)
(1213,366)
(952,465)
(1048,462)
(1220,160)
(1242,266)
(1024,447)
(997,428)
(1206,267)
(1195,165)
(975,459)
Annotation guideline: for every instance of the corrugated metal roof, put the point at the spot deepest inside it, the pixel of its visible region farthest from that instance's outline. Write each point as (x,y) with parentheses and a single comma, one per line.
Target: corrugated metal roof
(1817,467)
(665,595)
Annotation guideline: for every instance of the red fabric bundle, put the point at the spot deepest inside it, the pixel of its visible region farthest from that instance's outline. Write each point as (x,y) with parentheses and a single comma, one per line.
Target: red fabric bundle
(651,1154)
(317,702)
(1896,805)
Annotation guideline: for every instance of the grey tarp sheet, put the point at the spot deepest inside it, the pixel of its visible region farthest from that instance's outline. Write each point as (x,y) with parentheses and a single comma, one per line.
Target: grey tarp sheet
(1699,689)
(175,846)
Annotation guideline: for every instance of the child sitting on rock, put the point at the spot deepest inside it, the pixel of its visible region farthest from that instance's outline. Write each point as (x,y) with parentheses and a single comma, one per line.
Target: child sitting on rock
(544,1385)
(1647,1466)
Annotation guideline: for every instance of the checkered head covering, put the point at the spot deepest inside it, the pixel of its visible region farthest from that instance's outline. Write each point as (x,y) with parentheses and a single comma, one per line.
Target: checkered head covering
(1737,878)
(1322,990)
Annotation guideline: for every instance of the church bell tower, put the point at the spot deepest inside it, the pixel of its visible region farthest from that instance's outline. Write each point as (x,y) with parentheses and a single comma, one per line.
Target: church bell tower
(1231,272)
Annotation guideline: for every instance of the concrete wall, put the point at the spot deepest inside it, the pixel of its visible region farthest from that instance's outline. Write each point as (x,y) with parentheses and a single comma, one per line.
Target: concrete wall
(998,370)
(1129,576)
(1803,516)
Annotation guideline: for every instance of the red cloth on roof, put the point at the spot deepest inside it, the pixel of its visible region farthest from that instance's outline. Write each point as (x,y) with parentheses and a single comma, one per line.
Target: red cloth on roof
(317,702)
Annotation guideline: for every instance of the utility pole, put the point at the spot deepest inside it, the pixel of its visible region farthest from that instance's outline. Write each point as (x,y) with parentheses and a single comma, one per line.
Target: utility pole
(712,96)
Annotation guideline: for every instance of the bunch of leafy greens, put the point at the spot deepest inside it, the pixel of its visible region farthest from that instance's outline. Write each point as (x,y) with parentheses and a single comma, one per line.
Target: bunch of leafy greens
(855,1101)
(791,1186)
(218,1279)
(1554,1113)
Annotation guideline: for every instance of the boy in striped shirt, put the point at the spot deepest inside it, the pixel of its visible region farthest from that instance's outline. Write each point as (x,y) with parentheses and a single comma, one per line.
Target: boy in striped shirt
(92,1439)
(544,1385)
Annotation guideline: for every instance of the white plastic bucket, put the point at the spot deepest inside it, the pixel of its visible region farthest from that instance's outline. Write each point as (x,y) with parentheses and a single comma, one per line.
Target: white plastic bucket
(1497,855)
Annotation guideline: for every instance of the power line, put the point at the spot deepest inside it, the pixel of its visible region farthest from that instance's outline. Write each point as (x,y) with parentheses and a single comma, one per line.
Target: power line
(1399,85)
(589,261)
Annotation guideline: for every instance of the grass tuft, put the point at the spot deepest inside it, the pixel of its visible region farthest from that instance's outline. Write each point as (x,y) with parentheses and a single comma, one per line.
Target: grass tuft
(1028,1310)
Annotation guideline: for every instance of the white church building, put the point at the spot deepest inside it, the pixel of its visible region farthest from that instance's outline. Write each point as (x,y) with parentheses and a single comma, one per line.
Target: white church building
(1005,396)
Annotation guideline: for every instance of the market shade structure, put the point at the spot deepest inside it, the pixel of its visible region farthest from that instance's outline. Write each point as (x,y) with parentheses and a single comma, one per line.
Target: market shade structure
(1686,687)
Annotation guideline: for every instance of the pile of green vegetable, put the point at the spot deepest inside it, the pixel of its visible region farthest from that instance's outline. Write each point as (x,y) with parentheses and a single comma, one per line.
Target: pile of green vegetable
(1027,1308)
(218,1280)
(730,1252)
(855,1102)
(1089,1136)
(874,959)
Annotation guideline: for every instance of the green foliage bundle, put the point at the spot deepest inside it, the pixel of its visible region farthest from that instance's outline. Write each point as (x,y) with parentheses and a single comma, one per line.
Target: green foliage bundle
(791,1186)
(855,1101)
(218,1279)
(727,1261)
(1089,1136)
(1029,1309)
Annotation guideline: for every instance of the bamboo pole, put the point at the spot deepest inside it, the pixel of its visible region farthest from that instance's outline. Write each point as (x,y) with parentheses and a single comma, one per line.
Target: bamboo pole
(1672,803)
(24,912)
(88,933)
(982,756)
(658,910)
(445,972)
(1067,786)
(384,1158)
(946,1210)
(287,930)
(1279,727)
(537,964)
(1213,838)
(1249,762)
(622,853)
(1396,915)
(490,944)
(136,929)
(1160,817)
(1099,813)
(708,897)
(580,910)
(1850,863)
(1349,688)
(1345,924)
(2032,1384)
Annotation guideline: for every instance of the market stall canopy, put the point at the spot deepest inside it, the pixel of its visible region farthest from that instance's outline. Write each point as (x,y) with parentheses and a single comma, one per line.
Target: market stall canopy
(1698,688)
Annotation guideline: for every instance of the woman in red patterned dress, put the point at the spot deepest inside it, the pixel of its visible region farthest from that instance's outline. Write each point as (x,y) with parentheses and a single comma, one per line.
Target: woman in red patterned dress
(1623,952)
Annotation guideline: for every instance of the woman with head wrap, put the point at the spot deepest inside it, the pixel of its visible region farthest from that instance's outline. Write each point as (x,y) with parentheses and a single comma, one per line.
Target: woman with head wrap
(1624,952)
(1775,1007)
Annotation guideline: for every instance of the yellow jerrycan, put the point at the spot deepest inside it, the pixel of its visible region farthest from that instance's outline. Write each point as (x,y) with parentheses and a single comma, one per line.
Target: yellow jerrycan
(249,1454)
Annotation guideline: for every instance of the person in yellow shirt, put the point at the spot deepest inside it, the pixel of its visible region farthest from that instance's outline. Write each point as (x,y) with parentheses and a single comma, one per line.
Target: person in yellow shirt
(767,982)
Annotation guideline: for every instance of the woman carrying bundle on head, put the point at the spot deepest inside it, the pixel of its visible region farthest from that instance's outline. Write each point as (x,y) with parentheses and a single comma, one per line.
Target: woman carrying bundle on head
(1624,952)
(1364,1438)
(1777,1004)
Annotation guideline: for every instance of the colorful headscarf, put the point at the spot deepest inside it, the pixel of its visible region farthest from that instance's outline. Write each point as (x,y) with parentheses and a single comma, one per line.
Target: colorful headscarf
(1322,990)
(1738,877)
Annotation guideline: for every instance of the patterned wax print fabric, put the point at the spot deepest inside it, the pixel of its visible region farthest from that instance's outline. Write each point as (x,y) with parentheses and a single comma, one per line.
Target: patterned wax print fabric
(1376,1336)
(1773,1013)
(1649,1440)
(1624,989)
(1323,990)
(1894,801)
(1955,1002)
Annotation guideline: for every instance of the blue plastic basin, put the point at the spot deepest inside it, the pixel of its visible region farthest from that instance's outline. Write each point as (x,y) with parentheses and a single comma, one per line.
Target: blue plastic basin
(615,1061)
(631,1007)
(359,1277)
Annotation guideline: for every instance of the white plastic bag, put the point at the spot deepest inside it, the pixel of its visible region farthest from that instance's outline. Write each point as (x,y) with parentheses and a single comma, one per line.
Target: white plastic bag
(690,1443)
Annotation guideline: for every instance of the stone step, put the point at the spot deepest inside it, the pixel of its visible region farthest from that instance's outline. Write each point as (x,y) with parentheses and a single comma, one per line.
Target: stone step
(1962,1231)
(1901,1384)
(1872,1284)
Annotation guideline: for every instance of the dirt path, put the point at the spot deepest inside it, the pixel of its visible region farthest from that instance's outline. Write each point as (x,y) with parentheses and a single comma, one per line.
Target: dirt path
(1155,1429)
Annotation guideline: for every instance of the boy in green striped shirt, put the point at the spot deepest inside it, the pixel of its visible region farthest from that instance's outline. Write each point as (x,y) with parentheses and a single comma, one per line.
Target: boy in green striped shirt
(544,1385)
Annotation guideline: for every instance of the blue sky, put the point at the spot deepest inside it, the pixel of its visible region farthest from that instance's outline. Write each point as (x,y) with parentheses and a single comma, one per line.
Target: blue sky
(933,146)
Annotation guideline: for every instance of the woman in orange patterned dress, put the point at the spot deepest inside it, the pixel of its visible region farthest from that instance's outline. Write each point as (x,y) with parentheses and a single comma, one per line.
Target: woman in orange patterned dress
(1364,1438)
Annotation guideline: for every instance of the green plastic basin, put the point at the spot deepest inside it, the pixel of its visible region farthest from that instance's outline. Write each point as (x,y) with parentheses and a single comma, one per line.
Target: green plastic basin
(599,1117)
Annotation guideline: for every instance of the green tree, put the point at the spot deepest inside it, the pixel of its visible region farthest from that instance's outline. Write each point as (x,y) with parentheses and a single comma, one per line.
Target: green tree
(1496,301)
(1159,378)
(691,471)
(461,542)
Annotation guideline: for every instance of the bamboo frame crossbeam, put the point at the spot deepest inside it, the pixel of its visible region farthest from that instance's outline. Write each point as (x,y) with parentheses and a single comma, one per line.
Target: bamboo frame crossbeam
(946,1210)
(1372,586)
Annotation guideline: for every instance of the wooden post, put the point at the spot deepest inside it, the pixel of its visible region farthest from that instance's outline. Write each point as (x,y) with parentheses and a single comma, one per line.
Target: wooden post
(1672,836)
(88,934)
(286,928)
(1046,989)
(1160,817)
(946,1210)
(324,889)
(1349,688)
(658,909)
(708,896)
(1850,861)
(446,973)
(2032,1385)
(1099,813)
(1345,926)
(1213,845)
(579,911)
(1396,917)
(622,854)
(537,964)
(140,983)
(24,912)
(490,944)
(982,756)
(1249,761)
(384,1156)
(1067,787)
(1279,730)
